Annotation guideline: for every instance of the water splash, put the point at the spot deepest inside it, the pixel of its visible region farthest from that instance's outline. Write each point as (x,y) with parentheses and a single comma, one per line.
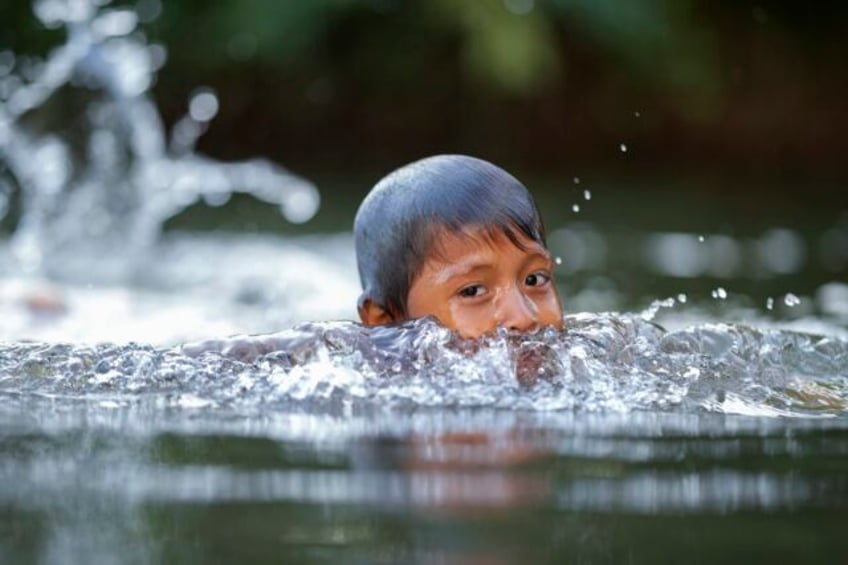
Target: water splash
(103,182)
(791,300)
(606,363)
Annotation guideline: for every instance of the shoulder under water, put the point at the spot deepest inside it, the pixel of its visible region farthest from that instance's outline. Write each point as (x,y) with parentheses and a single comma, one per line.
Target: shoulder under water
(599,363)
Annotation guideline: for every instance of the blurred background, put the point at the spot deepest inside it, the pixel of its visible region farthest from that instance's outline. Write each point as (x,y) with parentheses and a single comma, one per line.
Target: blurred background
(675,146)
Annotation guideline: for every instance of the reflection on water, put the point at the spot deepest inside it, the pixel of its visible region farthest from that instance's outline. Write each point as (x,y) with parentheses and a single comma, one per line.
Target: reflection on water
(87,482)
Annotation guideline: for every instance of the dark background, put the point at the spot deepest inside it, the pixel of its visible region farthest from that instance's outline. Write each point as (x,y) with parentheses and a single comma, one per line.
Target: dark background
(734,93)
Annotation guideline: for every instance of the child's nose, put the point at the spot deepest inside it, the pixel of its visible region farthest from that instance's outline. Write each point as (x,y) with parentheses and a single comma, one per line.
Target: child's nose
(517,312)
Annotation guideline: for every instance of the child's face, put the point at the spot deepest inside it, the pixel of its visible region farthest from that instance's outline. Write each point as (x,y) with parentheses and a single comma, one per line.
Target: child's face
(477,281)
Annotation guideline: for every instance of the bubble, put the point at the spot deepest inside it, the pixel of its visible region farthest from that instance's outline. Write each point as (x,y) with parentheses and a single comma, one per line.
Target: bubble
(203,106)
(587,194)
(791,300)
(719,293)
(575,208)
(623,148)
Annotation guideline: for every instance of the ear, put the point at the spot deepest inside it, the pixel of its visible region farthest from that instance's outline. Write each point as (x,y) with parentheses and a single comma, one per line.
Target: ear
(372,314)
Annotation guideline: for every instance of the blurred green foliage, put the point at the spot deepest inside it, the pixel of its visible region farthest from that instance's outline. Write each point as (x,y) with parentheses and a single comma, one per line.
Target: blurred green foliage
(512,44)
(738,88)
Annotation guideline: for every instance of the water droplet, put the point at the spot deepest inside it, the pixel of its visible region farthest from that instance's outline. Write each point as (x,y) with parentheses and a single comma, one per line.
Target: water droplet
(558,260)
(576,180)
(115,23)
(587,194)
(301,205)
(682,298)
(623,148)
(769,303)
(719,293)
(700,239)
(791,300)
(575,208)
(54,14)
(638,114)
(203,106)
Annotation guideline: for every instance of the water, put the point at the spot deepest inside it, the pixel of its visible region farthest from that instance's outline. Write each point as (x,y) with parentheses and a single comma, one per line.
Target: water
(695,416)
(98,193)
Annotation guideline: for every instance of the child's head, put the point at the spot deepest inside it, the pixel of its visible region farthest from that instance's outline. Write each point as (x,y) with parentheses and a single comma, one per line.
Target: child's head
(459,239)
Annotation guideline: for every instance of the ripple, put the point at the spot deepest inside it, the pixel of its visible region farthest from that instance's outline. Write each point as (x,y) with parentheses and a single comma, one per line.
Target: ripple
(600,363)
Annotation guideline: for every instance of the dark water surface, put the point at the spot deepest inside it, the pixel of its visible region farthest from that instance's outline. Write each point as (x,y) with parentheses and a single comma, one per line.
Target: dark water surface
(90,481)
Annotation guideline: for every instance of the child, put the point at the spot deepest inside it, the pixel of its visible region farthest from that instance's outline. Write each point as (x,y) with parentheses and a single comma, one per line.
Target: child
(451,237)
(459,239)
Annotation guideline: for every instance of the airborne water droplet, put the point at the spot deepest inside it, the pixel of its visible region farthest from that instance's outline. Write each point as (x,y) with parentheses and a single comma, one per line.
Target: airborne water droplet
(558,260)
(700,239)
(770,303)
(587,194)
(682,298)
(623,148)
(719,293)
(203,105)
(575,208)
(791,300)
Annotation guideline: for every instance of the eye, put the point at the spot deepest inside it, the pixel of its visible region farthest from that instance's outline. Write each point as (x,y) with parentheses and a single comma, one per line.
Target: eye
(537,279)
(472,291)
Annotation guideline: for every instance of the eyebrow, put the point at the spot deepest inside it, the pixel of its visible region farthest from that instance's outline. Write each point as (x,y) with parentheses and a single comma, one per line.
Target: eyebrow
(465,269)
(461,270)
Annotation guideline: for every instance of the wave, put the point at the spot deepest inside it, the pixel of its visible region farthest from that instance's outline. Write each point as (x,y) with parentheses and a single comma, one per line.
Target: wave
(600,363)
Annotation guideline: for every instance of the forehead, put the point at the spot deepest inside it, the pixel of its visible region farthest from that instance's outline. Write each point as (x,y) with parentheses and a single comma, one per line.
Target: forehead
(449,246)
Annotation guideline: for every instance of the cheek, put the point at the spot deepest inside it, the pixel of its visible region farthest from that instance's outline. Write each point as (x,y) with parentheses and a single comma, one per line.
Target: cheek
(550,311)
(472,322)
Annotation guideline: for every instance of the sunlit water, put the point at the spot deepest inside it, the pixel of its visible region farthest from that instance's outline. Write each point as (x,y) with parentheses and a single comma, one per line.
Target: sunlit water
(674,428)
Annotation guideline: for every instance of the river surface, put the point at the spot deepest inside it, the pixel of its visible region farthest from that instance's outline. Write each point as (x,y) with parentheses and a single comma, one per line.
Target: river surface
(637,437)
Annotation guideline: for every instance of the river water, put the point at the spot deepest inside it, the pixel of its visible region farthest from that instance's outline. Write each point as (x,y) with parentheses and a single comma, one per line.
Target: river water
(720,441)
(695,407)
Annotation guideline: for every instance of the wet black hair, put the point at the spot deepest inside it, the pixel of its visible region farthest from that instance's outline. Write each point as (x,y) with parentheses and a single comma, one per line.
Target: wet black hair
(396,223)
